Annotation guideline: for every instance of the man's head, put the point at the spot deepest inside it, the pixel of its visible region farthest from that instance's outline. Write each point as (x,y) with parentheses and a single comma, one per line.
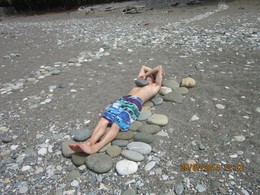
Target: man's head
(150,79)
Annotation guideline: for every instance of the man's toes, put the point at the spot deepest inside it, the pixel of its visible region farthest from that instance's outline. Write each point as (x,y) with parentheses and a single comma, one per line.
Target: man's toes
(75,147)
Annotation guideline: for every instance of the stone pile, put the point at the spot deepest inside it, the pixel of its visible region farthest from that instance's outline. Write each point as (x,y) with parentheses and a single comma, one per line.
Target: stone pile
(130,148)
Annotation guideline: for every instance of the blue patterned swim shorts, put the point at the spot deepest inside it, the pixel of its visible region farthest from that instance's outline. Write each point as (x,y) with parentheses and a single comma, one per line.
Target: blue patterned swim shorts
(124,111)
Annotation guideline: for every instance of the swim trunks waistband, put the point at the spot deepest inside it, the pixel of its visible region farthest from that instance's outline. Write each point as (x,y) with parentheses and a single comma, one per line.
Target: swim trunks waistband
(134,99)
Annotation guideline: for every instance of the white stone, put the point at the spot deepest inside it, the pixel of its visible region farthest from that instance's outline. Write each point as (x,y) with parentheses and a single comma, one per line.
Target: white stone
(165,90)
(149,166)
(14,147)
(75,183)
(126,167)
(42,152)
(239,138)
(194,118)
(163,134)
(233,156)
(220,106)
(26,168)
(258,109)
(245,192)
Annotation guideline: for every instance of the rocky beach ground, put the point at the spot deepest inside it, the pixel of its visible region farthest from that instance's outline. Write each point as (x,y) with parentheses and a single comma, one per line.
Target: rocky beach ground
(59,71)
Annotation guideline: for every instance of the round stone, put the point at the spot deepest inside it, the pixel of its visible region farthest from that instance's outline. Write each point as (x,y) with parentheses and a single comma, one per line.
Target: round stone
(99,163)
(144,137)
(220,106)
(148,104)
(157,100)
(66,151)
(178,188)
(126,167)
(114,151)
(55,72)
(144,115)
(147,128)
(132,155)
(129,192)
(125,135)
(171,84)
(78,158)
(7,139)
(149,166)
(165,90)
(188,82)
(240,138)
(120,143)
(182,90)
(81,134)
(135,125)
(201,146)
(256,159)
(173,96)
(141,83)
(158,119)
(140,147)
(200,188)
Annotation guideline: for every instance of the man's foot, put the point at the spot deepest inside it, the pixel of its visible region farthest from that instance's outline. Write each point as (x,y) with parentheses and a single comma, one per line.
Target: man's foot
(83,147)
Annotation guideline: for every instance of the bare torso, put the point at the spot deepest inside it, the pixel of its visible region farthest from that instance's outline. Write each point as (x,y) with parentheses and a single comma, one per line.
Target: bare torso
(146,92)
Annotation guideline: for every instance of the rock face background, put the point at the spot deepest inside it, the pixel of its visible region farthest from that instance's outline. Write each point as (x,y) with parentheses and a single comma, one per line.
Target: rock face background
(59,71)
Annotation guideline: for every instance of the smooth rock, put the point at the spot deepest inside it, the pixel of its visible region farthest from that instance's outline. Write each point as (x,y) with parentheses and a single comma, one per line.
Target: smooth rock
(152,129)
(165,90)
(201,146)
(99,163)
(125,135)
(23,189)
(257,109)
(81,134)
(174,96)
(55,72)
(140,147)
(126,167)
(144,115)
(135,125)
(78,158)
(245,192)
(141,83)
(157,100)
(194,118)
(132,155)
(42,151)
(256,159)
(114,151)
(129,192)
(200,188)
(220,106)
(171,84)
(104,149)
(215,184)
(144,137)
(162,134)
(182,90)
(149,166)
(188,82)
(158,119)
(7,139)
(179,188)
(148,104)
(66,151)
(120,143)
(240,138)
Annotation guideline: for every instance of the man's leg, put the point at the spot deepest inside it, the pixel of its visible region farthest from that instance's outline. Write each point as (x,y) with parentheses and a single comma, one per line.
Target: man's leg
(96,135)
(108,137)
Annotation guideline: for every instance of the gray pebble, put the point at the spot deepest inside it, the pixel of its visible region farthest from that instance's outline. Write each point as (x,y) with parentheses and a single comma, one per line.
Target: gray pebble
(7,139)
(201,146)
(179,188)
(141,83)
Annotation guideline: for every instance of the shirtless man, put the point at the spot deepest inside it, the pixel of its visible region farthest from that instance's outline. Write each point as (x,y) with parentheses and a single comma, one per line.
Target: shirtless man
(123,112)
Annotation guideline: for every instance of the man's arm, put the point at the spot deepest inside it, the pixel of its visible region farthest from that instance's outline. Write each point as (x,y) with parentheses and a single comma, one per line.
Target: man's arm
(143,71)
(153,71)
